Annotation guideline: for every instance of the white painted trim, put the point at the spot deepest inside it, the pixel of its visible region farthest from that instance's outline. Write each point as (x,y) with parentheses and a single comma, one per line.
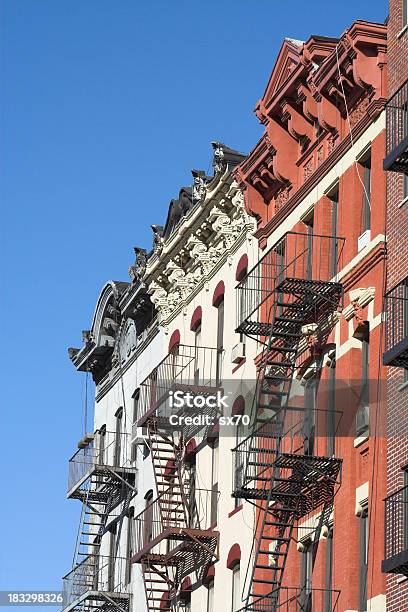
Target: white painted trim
(360,256)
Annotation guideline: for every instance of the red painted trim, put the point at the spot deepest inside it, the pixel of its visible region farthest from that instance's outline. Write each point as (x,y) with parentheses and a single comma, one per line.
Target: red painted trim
(242,267)
(196,318)
(209,575)
(170,469)
(234,556)
(191,450)
(238,407)
(235,510)
(218,294)
(186,584)
(213,434)
(239,365)
(174,340)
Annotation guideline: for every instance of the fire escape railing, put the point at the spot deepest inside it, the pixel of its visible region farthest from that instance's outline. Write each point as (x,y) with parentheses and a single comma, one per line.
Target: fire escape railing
(311,257)
(152,525)
(396,326)
(94,577)
(186,369)
(296,599)
(397,131)
(107,453)
(396,533)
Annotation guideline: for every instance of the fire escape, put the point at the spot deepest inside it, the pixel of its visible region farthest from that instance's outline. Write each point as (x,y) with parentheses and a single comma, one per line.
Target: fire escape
(396,337)
(104,481)
(294,285)
(174,535)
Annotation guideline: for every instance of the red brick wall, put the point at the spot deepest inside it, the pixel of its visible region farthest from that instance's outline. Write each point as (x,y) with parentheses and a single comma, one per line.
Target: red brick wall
(397,269)
(397,47)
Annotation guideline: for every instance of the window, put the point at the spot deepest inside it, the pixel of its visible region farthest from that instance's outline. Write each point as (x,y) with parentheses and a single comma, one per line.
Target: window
(309,223)
(328,579)
(136,397)
(404,13)
(220,338)
(129,545)
(210,597)
(362,418)
(309,415)
(236,589)
(363,560)
(214,482)
(331,408)
(239,463)
(148,523)
(366,214)
(405,185)
(102,444)
(112,557)
(306,572)
(118,436)
(334,255)
(198,354)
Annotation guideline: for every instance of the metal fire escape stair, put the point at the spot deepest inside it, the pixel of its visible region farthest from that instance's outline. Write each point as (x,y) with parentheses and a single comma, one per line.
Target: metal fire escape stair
(189,548)
(285,485)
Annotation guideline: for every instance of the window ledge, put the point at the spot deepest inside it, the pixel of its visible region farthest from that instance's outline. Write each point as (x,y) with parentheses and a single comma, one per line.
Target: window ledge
(402,32)
(403,386)
(359,441)
(404,201)
(235,510)
(401,579)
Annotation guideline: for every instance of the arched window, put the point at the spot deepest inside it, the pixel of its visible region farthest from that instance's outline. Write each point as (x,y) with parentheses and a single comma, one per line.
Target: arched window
(242,268)
(218,302)
(174,340)
(238,408)
(233,563)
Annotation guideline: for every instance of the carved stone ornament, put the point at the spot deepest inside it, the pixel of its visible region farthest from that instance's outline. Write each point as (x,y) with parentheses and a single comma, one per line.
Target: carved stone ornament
(199,185)
(157,238)
(137,271)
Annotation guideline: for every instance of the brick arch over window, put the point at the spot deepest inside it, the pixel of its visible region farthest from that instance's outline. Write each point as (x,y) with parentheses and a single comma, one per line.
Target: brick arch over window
(174,340)
(196,318)
(209,575)
(242,267)
(238,407)
(191,450)
(234,556)
(218,294)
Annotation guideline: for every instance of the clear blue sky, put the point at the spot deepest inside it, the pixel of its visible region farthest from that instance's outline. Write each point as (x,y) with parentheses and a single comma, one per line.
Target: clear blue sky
(106,106)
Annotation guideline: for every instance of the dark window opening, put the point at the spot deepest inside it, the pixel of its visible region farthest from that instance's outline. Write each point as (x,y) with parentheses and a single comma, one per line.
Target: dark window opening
(363,561)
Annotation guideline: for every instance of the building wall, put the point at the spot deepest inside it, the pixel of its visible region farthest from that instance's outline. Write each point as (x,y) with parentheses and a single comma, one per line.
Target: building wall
(397,270)
(362,270)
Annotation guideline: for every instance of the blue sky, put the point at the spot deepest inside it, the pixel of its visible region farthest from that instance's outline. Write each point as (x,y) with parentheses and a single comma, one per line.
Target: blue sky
(106,106)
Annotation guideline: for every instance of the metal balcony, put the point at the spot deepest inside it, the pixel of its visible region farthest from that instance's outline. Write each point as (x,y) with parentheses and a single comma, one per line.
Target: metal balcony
(396,533)
(396,326)
(193,370)
(397,131)
(295,599)
(175,531)
(97,582)
(102,469)
(311,478)
(295,264)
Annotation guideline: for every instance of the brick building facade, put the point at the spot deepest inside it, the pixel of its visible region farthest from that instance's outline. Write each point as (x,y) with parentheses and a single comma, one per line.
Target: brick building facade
(318,192)
(395,562)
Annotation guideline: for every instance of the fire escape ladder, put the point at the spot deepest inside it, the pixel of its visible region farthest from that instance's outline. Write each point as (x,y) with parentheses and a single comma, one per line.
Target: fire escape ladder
(166,460)
(279,492)
(159,587)
(277,476)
